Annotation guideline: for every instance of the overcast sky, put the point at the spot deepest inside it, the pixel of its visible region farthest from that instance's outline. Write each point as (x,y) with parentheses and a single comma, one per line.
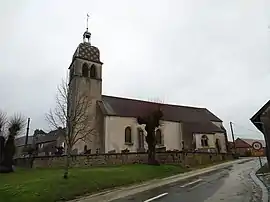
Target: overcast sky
(206,53)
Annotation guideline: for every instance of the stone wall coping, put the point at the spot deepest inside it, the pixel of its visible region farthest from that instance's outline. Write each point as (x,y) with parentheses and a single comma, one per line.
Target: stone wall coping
(122,154)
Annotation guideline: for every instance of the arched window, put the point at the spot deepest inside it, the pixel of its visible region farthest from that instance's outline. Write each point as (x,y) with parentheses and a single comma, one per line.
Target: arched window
(158,137)
(140,139)
(85,148)
(93,71)
(204,141)
(128,135)
(218,145)
(85,70)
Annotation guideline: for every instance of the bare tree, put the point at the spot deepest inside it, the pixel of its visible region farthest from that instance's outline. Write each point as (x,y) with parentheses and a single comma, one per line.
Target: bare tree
(72,113)
(3,121)
(15,125)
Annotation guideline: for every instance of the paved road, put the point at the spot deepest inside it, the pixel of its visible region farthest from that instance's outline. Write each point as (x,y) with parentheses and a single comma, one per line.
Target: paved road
(232,184)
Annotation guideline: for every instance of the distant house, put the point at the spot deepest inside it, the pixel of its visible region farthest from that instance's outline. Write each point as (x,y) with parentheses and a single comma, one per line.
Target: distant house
(20,144)
(244,147)
(44,143)
(48,143)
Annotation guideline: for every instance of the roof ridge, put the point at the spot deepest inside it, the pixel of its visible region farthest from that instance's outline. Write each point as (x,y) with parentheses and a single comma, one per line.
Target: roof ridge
(134,99)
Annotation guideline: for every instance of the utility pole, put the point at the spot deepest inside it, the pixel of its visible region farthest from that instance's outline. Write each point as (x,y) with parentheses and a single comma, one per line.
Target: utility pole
(234,146)
(27,132)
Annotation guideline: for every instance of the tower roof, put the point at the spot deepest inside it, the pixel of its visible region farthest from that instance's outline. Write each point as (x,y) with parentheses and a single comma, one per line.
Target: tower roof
(87,52)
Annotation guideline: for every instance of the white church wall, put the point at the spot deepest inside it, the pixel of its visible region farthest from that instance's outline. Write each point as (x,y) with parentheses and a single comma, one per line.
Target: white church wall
(172,135)
(222,141)
(221,137)
(115,134)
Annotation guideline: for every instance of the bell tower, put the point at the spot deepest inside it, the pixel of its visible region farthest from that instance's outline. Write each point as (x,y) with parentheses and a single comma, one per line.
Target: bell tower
(85,77)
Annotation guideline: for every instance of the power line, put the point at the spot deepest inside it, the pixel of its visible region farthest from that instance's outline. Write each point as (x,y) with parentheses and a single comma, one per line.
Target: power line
(246,128)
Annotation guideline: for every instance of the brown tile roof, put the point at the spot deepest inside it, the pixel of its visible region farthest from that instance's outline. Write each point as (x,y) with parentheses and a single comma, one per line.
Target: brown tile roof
(116,106)
(251,141)
(247,143)
(239,143)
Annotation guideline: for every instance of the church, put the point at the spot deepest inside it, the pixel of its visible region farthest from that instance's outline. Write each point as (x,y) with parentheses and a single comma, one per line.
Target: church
(115,118)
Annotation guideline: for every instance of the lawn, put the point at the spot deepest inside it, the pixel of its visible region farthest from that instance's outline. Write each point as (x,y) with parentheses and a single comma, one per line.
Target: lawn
(47,185)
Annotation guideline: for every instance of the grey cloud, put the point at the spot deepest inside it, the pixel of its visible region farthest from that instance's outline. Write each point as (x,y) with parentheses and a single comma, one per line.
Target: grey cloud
(208,53)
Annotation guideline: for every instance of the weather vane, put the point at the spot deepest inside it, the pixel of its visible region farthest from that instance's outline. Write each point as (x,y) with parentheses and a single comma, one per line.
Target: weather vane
(87,21)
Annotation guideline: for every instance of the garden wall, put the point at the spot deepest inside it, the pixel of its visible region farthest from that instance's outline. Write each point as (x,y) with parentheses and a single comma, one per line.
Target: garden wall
(184,159)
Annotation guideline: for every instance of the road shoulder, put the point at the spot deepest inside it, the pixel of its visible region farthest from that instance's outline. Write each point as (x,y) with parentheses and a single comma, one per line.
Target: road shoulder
(261,185)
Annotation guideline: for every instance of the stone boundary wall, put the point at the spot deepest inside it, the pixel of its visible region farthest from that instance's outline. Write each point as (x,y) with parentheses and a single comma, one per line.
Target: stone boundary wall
(179,158)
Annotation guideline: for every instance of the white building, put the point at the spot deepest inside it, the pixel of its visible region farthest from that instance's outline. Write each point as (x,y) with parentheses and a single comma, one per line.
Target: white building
(114,118)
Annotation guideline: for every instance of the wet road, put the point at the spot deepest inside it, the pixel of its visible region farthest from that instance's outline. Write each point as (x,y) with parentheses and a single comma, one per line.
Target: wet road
(232,184)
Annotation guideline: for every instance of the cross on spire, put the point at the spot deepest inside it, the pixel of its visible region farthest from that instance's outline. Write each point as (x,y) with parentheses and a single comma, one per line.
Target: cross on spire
(87,35)
(87,21)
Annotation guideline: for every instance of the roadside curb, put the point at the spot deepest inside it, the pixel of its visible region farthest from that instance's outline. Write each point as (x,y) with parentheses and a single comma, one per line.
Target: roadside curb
(121,192)
(259,182)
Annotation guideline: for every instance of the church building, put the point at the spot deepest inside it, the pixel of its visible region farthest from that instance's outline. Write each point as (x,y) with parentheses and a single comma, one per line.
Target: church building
(115,118)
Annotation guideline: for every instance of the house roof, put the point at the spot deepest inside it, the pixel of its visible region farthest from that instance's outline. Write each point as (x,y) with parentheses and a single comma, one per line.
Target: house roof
(256,118)
(20,141)
(117,106)
(49,137)
(251,141)
(39,138)
(239,143)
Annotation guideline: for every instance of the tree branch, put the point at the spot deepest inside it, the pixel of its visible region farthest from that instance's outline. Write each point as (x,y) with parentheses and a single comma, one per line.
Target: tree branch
(72,112)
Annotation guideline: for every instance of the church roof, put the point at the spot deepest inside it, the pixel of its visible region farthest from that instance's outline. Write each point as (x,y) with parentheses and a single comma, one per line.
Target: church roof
(123,107)
(201,127)
(87,52)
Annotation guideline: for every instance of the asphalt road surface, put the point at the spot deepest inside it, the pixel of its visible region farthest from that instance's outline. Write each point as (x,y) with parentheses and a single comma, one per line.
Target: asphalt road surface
(232,184)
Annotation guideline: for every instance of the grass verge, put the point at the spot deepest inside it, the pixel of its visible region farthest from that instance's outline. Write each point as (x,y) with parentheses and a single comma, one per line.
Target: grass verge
(48,185)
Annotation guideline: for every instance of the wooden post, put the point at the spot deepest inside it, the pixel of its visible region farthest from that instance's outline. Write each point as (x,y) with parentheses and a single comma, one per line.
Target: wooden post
(27,132)
(234,146)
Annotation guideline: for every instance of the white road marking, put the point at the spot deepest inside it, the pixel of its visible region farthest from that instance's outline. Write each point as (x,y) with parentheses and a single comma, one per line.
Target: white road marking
(156,197)
(190,183)
(196,186)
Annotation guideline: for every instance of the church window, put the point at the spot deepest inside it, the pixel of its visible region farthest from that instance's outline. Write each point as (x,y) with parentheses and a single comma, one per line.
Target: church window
(158,137)
(85,70)
(140,138)
(93,72)
(85,148)
(204,141)
(128,135)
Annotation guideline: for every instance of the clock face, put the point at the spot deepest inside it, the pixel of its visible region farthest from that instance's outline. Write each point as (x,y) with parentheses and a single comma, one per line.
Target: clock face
(257,145)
